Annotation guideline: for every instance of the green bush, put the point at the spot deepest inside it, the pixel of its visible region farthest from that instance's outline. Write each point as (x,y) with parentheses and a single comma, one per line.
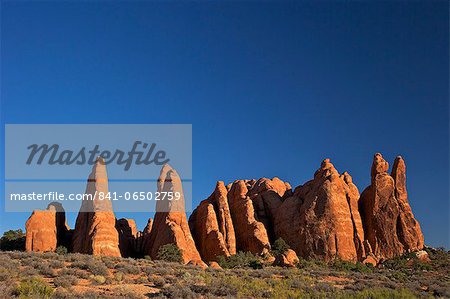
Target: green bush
(349,266)
(279,247)
(170,253)
(61,250)
(33,288)
(240,260)
(12,240)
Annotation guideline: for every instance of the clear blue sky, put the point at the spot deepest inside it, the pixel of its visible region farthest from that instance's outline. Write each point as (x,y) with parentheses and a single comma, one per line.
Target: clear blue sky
(271,88)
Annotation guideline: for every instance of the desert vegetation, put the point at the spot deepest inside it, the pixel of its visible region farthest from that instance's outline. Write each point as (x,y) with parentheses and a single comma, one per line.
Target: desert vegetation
(74,275)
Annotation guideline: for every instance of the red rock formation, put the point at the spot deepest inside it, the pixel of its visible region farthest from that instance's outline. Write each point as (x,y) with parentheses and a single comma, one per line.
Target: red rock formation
(389,224)
(45,230)
(95,231)
(410,234)
(170,224)
(145,237)
(212,227)
(321,219)
(251,234)
(286,259)
(128,237)
(267,197)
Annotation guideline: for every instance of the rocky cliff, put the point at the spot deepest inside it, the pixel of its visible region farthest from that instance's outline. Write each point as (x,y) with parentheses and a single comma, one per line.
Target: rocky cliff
(326,218)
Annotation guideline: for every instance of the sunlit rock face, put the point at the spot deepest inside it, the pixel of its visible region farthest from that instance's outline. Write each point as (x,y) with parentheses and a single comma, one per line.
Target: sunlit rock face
(389,223)
(170,225)
(46,230)
(321,219)
(95,229)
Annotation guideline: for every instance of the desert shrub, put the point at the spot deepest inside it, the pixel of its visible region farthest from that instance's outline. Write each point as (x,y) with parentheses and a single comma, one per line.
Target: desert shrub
(96,267)
(178,291)
(109,262)
(158,281)
(78,257)
(311,264)
(349,266)
(118,276)
(65,281)
(240,260)
(12,240)
(56,264)
(170,253)
(7,289)
(98,279)
(279,247)
(128,269)
(8,268)
(30,261)
(74,272)
(49,256)
(44,269)
(61,250)
(61,293)
(33,288)
(28,272)
(125,292)
(381,293)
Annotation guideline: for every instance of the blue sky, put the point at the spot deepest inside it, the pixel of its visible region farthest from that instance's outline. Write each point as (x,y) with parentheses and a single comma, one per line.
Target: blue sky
(270,88)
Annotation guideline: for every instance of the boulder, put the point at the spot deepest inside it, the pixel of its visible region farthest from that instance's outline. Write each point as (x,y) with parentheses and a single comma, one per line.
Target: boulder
(422,256)
(286,259)
(197,263)
(321,219)
(215,265)
(389,225)
(46,230)
(370,259)
(212,227)
(95,228)
(170,224)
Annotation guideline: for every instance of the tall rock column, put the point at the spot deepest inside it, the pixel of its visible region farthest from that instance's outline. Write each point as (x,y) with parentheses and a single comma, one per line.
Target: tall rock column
(170,224)
(95,232)
(212,227)
(251,234)
(389,224)
(410,234)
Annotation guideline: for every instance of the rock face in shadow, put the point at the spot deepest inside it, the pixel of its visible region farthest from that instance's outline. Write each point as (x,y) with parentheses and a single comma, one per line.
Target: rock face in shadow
(145,237)
(321,220)
(95,229)
(389,223)
(46,230)
(212,227)
(128,237)
(170,224)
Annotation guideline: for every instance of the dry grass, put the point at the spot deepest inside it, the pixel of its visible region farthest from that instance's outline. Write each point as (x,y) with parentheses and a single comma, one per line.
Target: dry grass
(50,275)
